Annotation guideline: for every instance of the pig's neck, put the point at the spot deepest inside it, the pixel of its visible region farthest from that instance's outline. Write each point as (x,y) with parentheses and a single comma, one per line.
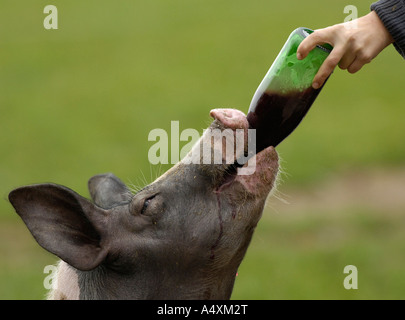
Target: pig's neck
(102,283)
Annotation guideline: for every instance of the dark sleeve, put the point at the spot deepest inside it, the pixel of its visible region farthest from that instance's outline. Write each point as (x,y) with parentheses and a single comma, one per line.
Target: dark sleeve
(392,14)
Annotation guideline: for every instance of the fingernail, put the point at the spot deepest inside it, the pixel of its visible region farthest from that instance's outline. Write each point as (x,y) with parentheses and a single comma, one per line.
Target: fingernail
(315,85)
(299,56)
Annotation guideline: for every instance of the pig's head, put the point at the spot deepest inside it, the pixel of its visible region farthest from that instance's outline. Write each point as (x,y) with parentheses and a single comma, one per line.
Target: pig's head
(182,236)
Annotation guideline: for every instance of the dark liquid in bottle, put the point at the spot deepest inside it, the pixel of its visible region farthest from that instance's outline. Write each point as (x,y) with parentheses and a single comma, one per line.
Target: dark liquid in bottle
(276,115)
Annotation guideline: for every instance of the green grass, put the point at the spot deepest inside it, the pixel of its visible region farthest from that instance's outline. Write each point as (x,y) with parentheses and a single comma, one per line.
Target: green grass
(81,100)
(304,257)
(22,263)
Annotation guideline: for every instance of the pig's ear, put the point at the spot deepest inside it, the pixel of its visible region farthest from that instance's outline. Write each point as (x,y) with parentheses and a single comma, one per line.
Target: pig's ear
(107,191)
(63,223)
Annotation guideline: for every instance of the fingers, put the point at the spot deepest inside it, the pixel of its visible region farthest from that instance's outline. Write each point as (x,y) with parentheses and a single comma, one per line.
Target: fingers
(355,59)
(320,37)
(348,58)
(361,59)
(343,54)
(352,48)
(355,66)
(309,43)
(327,67)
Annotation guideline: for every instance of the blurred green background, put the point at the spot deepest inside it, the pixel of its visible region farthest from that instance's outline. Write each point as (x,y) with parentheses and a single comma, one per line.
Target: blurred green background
(81,100)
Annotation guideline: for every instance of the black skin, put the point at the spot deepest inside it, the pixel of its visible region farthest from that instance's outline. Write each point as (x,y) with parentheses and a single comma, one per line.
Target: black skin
(181,237)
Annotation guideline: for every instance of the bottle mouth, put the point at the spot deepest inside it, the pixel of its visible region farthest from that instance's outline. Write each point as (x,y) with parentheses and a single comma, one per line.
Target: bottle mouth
(325,47)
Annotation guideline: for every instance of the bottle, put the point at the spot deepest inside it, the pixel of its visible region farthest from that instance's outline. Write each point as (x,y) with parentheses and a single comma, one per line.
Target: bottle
(285,94)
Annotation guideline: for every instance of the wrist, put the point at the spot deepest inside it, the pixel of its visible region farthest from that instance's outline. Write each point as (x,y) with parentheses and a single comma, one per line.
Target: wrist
(392,15)
(381,30)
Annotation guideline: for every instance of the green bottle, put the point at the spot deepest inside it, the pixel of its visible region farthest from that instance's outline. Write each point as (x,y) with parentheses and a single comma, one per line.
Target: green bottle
(285,94)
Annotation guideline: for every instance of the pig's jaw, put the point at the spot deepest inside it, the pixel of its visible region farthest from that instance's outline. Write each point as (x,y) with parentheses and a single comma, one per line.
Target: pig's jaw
(258,175)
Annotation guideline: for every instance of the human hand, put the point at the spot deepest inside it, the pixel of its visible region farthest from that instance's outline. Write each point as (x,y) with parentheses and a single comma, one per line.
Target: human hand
(353,47)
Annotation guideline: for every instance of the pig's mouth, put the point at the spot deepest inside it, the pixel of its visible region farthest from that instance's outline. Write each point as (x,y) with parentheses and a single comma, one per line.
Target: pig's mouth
(254,178)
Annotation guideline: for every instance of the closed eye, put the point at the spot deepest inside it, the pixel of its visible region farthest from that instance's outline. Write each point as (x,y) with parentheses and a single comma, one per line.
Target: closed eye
(147,203)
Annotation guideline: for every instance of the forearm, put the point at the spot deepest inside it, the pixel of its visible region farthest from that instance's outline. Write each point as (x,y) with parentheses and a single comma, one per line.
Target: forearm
(392,14)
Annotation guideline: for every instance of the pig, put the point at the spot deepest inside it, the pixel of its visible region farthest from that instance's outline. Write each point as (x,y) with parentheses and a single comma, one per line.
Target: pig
(181,237)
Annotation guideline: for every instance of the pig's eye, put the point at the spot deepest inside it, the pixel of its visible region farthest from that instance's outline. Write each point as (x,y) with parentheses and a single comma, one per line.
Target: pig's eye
(146,204)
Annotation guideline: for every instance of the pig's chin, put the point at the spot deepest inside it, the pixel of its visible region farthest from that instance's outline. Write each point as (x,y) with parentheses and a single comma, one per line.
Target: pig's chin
(256,178)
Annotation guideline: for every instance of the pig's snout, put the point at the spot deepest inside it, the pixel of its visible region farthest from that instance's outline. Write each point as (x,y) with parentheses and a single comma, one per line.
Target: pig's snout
(223,154)
(230,118)
(257,176)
